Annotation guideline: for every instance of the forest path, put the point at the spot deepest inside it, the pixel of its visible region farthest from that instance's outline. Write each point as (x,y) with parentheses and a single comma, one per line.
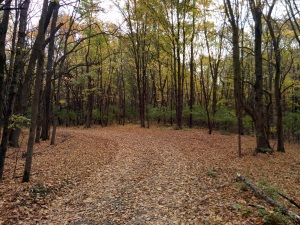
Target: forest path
(129,175)
(153,179)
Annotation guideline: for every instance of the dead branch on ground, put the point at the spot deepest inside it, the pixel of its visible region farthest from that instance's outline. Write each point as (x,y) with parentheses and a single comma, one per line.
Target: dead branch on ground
(269,200)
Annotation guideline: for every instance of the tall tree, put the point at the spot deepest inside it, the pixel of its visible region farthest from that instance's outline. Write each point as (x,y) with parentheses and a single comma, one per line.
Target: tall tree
(45,135)
(234,22)
(214,45)
(24,90)
(138,27)
(3,31)
(8,110)
(13,89)
(46,15)
(192,65)
(276,38)
(262,142)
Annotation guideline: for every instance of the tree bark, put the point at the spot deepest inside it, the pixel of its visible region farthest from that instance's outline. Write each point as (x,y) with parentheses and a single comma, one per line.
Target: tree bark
(24,89)
(192,71)
(3,32)
(277,84)
(45,135)
(236,69)
(13,89)
(262,142)
(205,97)
(39,50)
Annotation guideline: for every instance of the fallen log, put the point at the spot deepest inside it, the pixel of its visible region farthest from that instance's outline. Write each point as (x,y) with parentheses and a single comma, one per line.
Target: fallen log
(269,200)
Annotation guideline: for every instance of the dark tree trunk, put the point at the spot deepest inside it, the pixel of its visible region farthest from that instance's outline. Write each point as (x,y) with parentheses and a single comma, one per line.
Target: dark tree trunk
(277,85)
(45,135)
(24,89)
(214,69)
(89,104)
(39,115)
(236,70)
(34,114)
(89,86)
(206,98)
(39,50)
(192,86)
(179,94)
(262,142)
(3,31)
(56,103)
(18,67)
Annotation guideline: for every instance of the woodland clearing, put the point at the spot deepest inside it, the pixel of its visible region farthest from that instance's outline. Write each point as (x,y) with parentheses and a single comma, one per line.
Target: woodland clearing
(130,175)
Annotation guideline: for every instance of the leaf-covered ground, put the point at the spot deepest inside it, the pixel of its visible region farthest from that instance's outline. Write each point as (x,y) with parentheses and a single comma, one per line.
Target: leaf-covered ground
(130,175)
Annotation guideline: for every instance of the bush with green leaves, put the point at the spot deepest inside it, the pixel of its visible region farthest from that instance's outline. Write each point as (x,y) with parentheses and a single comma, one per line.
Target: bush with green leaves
(18,121)
(291,124)
(96,114)
(161,113)
(65,115)
(247,122)
(198,112)
(225,118)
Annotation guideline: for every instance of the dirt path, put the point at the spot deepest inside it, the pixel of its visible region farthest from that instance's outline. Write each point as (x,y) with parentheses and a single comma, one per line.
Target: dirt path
(150,181)
(129,175)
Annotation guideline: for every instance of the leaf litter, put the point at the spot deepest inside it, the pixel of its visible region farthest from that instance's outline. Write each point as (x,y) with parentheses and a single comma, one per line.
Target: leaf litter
(130,175)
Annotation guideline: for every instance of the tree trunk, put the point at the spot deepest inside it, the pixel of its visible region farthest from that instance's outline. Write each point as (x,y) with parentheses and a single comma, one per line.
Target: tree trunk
(45,135)
(56,103)
(34,114)
(24,89)
(39,50)
(205,97)
(236,70)
(262,142)
(13,89)
(192,85)
(277,85)
(89,87)
(3,31)
(179,95)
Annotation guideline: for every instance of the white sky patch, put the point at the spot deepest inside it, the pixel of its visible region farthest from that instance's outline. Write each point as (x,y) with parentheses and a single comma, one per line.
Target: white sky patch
(111,12)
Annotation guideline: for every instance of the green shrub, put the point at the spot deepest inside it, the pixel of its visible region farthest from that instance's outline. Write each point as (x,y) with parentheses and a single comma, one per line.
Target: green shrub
(161,113)
(65,115)
(276,218)
(18,121)
(96,115)
(225,118)
(291,123)
(198,112)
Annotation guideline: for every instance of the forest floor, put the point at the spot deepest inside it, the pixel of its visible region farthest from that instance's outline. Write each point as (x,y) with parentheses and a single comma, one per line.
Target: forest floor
(129,175)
